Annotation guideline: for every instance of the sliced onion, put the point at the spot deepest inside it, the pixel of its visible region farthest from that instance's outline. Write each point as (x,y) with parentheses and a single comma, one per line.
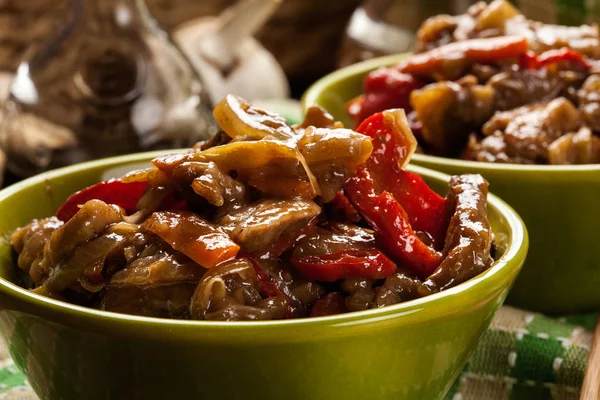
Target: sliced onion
(238,118)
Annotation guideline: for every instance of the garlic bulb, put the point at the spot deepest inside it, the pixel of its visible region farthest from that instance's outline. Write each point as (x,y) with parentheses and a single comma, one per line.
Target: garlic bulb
(228,58)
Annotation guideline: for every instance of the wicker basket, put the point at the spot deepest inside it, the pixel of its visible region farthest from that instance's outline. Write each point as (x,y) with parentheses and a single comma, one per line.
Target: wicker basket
(303,34)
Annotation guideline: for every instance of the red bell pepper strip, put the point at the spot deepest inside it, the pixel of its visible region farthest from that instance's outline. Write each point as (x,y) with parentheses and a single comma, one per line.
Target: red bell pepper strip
(123,194)
(286,241)
(113,191)
(266,286)
(174,202)
(393,145)
(384,88)
(530,60)
(330,304)
(391,224)
(351,263)
(485,50)
(342,209)
(198,239)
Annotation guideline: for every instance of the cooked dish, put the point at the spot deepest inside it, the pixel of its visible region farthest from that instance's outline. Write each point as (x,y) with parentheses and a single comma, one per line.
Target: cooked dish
(493,86)
(264,221)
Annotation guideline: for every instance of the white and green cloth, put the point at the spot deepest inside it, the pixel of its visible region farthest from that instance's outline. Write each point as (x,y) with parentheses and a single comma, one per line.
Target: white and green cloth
(526,356)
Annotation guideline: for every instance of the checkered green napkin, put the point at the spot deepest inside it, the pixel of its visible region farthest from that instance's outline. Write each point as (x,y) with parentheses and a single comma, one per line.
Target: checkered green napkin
(523,356)
(526,356)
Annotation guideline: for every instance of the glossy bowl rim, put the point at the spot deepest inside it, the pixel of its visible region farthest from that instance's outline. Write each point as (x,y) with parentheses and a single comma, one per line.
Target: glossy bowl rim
(500,275)
(321,86)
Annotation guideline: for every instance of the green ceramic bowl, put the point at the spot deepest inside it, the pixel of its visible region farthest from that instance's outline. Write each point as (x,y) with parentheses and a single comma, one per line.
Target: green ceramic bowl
(559,205)
(408,351)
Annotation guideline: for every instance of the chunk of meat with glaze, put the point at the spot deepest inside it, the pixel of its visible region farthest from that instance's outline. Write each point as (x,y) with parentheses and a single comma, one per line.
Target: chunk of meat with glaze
(86,265)
(439,30)
(501,119)
(91,221)
(449,111)
(397,288)
(336,237)
(529,130)
(157,283)
(483,72)
(230,292)
(159,187)
(29,242)
(318,117)
(515,88)
(492,149)
(435,31)
(581,147)
(275,168)
(258,225)
(469,239)
(361,293)
(209,182)
(333,155)
(300,293)
(589,102)
(330,304)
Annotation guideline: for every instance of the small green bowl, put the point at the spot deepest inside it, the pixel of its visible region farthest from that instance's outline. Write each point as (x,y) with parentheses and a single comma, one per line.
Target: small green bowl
(412,350)
(559,205)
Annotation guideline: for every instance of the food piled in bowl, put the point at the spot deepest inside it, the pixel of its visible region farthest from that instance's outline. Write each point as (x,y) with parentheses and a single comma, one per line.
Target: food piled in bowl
(493,86)
(264,221)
